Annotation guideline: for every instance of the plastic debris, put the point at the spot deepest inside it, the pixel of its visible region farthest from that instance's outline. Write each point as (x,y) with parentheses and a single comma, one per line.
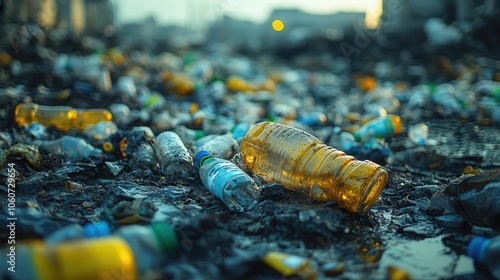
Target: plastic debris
(221,146)
(75,231)
(395,273)
(174,158)
(61,117)
(477,198)
(295,165)
(486,254)
(227,182)
(380,127)
(71,148)
(418,133)
(290,265)
(20,151)
(139,250)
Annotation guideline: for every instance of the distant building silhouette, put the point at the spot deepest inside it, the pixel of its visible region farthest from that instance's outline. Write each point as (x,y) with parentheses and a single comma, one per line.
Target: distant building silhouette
(299,26)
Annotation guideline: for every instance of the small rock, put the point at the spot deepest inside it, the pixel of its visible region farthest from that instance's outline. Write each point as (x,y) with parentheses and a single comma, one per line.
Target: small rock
(86,204)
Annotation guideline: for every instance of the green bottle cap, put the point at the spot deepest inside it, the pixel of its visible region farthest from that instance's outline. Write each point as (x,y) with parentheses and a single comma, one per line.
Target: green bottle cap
(356,136)
(166,237)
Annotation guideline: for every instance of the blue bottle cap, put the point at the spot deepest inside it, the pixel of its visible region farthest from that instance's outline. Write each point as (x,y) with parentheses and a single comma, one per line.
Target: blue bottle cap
(199,155)
(97,230)
(477,248)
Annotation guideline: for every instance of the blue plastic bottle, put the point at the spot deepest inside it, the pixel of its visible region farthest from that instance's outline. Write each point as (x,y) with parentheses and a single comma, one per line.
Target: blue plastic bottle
(227,182)
(486,253)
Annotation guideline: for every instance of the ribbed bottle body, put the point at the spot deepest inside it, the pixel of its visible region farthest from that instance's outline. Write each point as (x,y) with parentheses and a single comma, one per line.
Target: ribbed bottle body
(301,162)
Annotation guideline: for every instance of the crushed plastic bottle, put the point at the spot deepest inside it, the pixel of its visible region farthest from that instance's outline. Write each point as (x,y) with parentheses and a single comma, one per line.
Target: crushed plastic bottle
(476,198)
(175,160)
(486,254)
(221,146)
(139,150)
(443,96)
(72,148)
(126,87)
(121,113)
(418,133)
(188,135)
(380,127)
(419,97)
(63,118)
(37,130)
(227,182)
(240,130)
(101,130)
(301,162)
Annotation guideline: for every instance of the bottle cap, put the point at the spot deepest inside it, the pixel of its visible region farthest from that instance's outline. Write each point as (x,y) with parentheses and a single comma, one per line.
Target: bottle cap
(199,155)
(477,248)
(357,137)
(396,123)
(97,230)
(166,237)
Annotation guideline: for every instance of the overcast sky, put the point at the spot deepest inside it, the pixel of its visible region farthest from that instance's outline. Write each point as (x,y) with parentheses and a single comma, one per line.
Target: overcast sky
(181,11)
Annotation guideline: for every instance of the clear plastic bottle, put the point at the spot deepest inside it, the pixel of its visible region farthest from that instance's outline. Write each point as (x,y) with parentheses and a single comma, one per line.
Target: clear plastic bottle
(101,130)
(126,87)
(419,97)
(188,135)
(72,148)
(63,118)
(121,113)
(174,158)
(221,146)
(380,127)
(418,133)
(37,130)
(301,162)
(240,130)
(443,96)
(486,254)
(227,182)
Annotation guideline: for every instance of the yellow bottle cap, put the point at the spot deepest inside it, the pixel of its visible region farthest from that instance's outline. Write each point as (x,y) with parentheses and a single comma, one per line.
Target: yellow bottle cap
(397,124)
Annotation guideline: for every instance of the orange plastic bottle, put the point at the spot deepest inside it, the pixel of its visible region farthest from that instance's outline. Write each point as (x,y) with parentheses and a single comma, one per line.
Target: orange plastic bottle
(301,162)
(63,118)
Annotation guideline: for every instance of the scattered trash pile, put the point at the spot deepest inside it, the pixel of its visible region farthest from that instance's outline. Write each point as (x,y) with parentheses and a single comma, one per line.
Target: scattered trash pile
(119,163)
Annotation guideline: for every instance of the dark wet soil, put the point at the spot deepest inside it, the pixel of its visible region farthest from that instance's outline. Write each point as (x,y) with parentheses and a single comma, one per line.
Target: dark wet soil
(403,229)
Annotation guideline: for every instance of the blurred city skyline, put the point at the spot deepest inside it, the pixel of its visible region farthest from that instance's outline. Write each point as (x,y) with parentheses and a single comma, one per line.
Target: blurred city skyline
(185,13)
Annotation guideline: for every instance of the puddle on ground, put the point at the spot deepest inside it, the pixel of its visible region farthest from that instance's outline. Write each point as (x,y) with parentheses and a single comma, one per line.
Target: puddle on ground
(424,259)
